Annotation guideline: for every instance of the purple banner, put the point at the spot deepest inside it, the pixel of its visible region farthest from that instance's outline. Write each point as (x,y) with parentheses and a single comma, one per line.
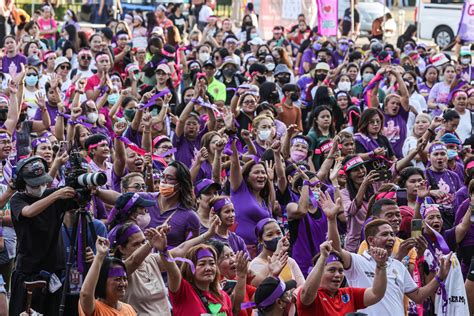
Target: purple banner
(327,17)
(466,26)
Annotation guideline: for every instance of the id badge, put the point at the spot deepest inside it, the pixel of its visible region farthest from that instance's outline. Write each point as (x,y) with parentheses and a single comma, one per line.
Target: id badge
(75,280)
(54,283)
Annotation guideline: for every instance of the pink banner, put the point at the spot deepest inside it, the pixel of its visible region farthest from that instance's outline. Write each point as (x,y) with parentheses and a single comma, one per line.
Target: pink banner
(327,17)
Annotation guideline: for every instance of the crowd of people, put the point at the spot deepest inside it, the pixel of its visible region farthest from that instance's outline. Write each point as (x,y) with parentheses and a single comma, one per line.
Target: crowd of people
(184,165)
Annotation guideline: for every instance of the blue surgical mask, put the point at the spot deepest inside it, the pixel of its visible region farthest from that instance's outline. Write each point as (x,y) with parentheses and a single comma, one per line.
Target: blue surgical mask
(113,98)
(31,81)
(367,77)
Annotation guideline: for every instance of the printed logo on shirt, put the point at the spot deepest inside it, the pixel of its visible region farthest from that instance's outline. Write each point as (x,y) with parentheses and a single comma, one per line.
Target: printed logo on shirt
(369,274)
(345,298)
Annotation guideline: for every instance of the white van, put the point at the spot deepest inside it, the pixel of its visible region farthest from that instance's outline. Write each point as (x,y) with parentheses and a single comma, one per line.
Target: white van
(439,20)
(369,10)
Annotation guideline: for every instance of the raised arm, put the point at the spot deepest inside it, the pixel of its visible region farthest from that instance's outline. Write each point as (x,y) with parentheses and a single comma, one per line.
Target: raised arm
(331,210)
(309,291)
(238,295)
(41,205)
(119,149)
(87,296)
(463,227)
(217,161)
(403,90)
(13,111)
(235,173)
(183,117)
(279,168)
(375,293)
(174,275)
(146,139)
(45,123)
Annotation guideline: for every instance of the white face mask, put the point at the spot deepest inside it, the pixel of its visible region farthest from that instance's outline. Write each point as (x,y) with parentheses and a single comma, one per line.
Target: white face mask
(92,117)
(31,112)
(466,61)
(204,57)
(143,220)
(264,134)
(36,192)
(344,86)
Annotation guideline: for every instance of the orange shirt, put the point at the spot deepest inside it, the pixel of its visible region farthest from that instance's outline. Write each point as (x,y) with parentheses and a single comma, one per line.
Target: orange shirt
(347,300)
(102,309)
(289,115)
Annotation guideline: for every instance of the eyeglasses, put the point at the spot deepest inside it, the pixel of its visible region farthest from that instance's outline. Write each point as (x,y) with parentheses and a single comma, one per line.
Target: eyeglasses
(86,57)
(65,67)
(138,186)
(165,147)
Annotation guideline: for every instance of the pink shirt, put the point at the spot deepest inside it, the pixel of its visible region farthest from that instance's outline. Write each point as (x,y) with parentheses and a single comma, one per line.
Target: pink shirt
(47,25)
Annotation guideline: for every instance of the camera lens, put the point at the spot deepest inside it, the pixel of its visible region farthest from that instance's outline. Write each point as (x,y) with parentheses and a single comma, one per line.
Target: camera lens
(94,179)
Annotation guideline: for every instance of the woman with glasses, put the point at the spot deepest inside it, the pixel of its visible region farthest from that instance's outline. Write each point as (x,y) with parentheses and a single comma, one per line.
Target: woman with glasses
(163,147)
(244,105)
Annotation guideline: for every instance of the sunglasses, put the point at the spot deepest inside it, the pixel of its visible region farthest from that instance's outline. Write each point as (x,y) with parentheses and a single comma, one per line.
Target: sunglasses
(138,186)
(86,57)
(65,67)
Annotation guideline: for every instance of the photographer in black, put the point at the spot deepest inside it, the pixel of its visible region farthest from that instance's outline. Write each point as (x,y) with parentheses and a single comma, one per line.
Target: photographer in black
(37,215)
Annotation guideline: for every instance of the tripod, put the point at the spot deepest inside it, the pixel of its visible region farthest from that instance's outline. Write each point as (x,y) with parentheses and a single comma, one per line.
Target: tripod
(83,218)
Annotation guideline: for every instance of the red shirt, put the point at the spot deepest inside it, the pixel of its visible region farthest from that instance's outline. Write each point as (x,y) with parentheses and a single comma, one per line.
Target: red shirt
(92,83)
(186,301)
(119,66)
(347,300)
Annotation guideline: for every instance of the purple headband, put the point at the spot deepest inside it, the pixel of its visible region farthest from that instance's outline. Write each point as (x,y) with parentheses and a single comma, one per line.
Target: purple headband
(201,185)
(261,224)
(299,140)
(221,203)
(436,147)
(203,253)
(4,136)
(37,141)
(277,292)
(333,258)
(46,134)
(124,210)
(133,229)
(116,272)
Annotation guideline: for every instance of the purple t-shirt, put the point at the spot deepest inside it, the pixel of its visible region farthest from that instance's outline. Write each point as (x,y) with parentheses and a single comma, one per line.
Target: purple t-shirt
(248,212)
(52,111)
(440,93)
(309,57)
(185,148)
(460,212)
(235,242)
(205,172)
(424,90)
(182,220)
(17,60)
(395,129)
(134,136)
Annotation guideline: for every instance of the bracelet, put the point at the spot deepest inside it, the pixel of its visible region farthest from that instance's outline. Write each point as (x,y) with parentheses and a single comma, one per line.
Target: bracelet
(382,266)
(437,278)
(371,154)
(419,200)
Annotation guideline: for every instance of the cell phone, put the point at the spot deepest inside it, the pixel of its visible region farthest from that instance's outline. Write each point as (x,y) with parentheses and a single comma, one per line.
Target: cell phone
(402,198)
(130,44)
(384,174)
(229,286)
(416,225)
(62,147)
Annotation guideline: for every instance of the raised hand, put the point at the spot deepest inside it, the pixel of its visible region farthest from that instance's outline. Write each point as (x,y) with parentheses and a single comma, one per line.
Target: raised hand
(120,127)
(12,87)
(242,264)
(160,240)
(283,245)
(146,119)
(270,170)
(245,134)
(276,147)
(444,266)
(214,223)
(220,145)
(292,130)
(423,190)
(405,247)
(81,85)
(334,173)
(330,208)
(380,255)
(325,248)
(102,246)
(277,262)
(421,245)
(75,113)
(40,100)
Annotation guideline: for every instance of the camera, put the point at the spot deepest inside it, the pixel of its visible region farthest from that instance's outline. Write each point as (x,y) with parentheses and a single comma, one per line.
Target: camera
(79,179)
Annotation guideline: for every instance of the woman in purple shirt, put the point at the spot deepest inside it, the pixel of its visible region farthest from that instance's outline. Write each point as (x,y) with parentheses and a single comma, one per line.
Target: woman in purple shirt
(252,194)
(439,95)
(430,78)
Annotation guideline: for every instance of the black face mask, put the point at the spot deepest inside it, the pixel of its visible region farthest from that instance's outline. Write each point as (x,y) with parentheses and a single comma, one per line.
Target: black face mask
(228,72)
(294,97)
(284,79)
(320,77)
(272,244)
(3,115)
(261,79)
(22,117)
(274,98)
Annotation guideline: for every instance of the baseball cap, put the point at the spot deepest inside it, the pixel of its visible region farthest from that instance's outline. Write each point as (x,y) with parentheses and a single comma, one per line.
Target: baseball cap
(258,67)
(270,290)
(465,51)
(128,200)
(257,41)
(61,60)
(163,67)
(204,185)
(209,63)
(33,171)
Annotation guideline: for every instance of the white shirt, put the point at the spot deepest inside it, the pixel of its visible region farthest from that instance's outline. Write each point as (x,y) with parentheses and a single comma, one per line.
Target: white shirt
(205,13)
(361,274)
(464,129)
(409,145)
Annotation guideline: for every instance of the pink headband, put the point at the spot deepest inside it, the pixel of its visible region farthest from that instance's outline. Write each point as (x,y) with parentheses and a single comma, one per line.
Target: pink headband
(121,36)
(84,52)
(386,195)
(352,162)
(97,145)
(324,148)
(470,165)
(47,55)
(102,56)
(167,54)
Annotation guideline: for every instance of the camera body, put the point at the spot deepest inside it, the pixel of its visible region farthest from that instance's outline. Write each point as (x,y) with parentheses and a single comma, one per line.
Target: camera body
(78,178)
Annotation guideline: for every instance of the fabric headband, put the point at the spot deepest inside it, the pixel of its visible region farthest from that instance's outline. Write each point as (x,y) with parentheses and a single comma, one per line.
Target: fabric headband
(122,36)
(102,56)
(4,99)
(204,253)
(84,52)
(114,77)
(42,140)
(102,142)
(158,138)
(333,258)
(299,140)
(167,54)
(221,203)
(428,208)
(455,93)
(352,162)
(116,272)
(46,134)
(470,165)
(48,55)
(4,136)
(114,211)
(277,292)
(386,195)
(133,229)
(261,224)
(138,18)
(323,149)
(436,147)
(131,67)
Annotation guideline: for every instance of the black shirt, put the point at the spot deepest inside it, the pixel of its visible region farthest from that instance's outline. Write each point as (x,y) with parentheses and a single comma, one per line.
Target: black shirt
(347,21)
(39,242)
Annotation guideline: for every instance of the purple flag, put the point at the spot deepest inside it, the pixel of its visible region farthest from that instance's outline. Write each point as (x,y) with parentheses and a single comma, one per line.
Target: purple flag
(466,26)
